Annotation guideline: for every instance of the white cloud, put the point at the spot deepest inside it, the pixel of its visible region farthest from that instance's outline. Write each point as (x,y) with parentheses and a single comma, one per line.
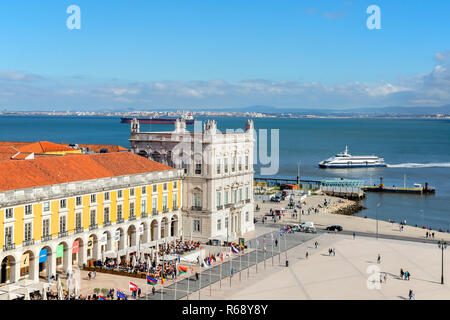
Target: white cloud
(432,88)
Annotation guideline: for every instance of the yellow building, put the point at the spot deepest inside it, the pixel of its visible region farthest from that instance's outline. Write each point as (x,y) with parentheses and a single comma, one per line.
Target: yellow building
(57,212)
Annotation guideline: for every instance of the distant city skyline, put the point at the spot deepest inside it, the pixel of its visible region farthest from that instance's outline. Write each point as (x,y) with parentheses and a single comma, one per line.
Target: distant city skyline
(230,54)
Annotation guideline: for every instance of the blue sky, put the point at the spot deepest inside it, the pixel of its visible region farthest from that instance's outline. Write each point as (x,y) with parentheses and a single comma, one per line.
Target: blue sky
(145,54)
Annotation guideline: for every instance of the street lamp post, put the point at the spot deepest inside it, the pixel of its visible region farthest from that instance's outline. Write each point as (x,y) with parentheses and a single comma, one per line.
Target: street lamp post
(442,245)
(378,205)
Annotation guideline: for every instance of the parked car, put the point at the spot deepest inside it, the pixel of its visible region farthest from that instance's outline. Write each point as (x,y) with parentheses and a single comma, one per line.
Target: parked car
(334,228)
(275,199)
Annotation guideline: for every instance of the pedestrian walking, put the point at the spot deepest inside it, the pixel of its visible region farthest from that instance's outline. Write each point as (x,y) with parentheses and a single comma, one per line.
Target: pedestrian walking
(411,295)
(95,274)
(139,292)
(334,251)
(153,290)
(307,255)
(276,242)
(89,275)
(196,276)
(354,236)
(378,258)
(385,277)
(401,273)
(316,244)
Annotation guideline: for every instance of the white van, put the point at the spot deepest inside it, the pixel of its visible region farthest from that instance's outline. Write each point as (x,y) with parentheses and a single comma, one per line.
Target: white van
(307,227)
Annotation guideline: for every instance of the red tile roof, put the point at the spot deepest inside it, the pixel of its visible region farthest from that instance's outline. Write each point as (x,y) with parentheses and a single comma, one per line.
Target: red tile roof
(43,147)
(54,170)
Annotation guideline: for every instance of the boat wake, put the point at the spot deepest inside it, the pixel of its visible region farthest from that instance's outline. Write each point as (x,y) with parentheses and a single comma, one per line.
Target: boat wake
(421,165)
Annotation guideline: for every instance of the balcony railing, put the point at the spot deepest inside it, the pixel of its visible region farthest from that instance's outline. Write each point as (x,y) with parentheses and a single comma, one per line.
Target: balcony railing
(228,205)
(106,223)
(196,208)
(62,234)
(46,238)
(119,220)
(165,210)
(79,230)
(93,227)
(155,211)
(219,207)
(10,246)
(28,243)
(174,207)
(144,215)
(131,218)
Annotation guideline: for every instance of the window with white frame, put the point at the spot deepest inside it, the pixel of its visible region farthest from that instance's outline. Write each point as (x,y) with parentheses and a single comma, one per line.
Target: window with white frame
(219,198)
(46,206)
(219,224)
(165,186)
(196,226)
(165,198)
(93,198)
(246,162)
(226,222)
(246,193)
(46,227)
(28,231)
(240,164)
(131,192)
(144,190)
(246,216)
(198,168)
(119,212)
(175,184)
(106,215)
(9,213)
(120,194)
(197,202)
(106,196)
(131,209)
(9,235)
(93,218)
(143,206)
(233,164)
(28,209)
(78,217)
(63,203)
(225,165)
(62,224)
(218,166)
(78,201)
(226,197)
(240,194)
(155,188)
(155,203)
(175,200)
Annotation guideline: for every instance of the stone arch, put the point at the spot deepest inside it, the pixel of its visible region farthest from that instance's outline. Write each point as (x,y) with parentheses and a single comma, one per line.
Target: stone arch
(8,270)
(164,228)
(156,156)
(174,226)
(63,256)
(46,255)
(143,238)
(92,252)
(78,252)
(154,230)
(121,242)
(28,265)
(131,236)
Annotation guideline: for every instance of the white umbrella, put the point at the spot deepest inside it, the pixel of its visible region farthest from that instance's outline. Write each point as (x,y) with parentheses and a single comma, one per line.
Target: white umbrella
(59,289)
(133,261)
(149,263)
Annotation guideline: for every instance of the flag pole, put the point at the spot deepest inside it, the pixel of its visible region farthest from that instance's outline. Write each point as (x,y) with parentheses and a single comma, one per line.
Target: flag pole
(200,284)
(210,285)
(285,247)
(176,278)
(188,280)
(271,234)
(231,264)
(240,263)
(264,249)
(162,279)
(279,247)
(256,258)
(248,259)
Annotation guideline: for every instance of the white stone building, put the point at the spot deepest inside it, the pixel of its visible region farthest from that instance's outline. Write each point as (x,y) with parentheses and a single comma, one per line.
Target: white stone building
(218,182)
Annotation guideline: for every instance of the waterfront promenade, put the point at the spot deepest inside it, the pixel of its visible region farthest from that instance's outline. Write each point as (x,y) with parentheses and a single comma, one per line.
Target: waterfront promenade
(351,223)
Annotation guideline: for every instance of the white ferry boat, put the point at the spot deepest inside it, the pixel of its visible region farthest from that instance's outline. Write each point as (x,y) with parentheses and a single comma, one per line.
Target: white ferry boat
(346,160)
